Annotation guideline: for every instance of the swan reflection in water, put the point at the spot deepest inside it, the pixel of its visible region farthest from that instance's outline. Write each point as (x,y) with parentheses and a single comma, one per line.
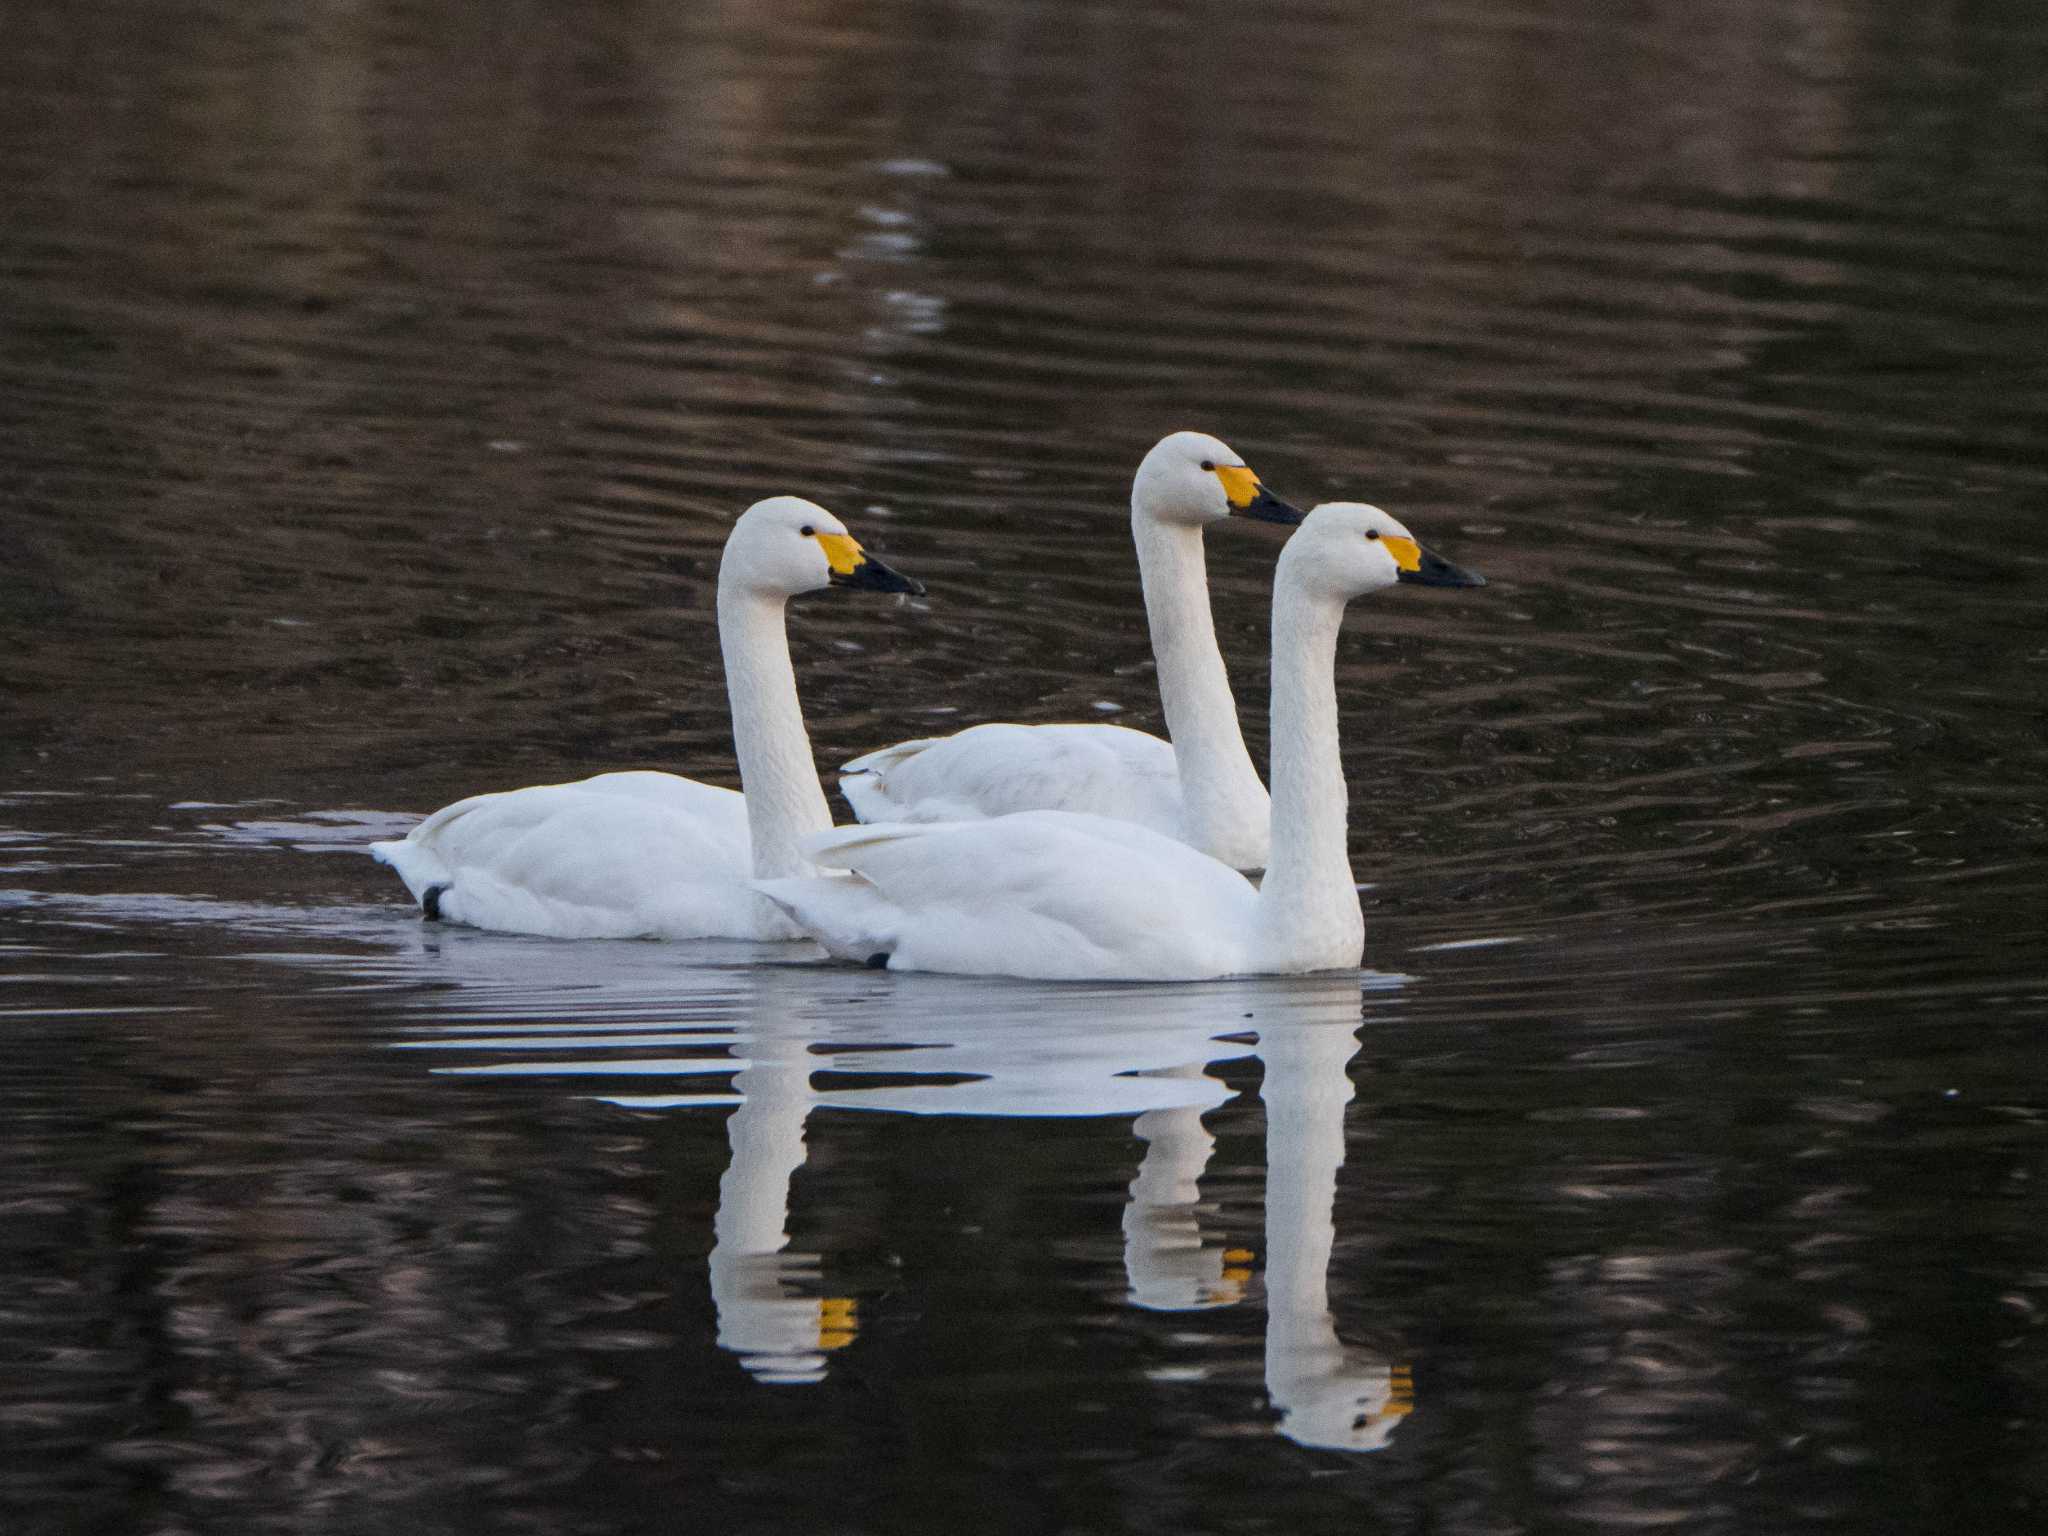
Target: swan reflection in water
(1016,1049)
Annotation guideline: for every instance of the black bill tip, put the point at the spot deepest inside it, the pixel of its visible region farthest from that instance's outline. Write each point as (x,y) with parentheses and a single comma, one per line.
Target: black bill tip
(873,576)
(1268,508)
(1435,571)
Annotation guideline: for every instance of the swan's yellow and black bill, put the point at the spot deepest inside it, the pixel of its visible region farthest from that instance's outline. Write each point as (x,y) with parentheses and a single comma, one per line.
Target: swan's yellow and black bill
(1423,568)
(853,566)
(1248,498)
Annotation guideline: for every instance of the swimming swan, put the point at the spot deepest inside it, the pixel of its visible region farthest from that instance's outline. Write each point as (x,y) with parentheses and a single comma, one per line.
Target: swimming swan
(1201,789)
(655,855)
(1060,896)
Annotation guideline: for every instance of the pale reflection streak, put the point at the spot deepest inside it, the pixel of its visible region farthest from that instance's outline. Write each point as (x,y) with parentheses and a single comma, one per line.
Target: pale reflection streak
(1019,1050)
(1328,1394)
(769,1313)
(1170,1267)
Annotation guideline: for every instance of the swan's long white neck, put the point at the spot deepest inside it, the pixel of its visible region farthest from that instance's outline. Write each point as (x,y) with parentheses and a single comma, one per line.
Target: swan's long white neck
(1327,1395)
(785,802)
(1164,1258)
(1305,1090)
(1220,789)
(1308,903)
(758,1314)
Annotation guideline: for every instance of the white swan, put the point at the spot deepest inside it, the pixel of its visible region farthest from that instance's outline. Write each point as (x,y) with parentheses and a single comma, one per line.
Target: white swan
(1061,896)
(654,855)
(1201,789)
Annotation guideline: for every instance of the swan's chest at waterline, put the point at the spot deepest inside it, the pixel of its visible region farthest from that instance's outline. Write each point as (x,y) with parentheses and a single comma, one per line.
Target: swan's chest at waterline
(1325,935)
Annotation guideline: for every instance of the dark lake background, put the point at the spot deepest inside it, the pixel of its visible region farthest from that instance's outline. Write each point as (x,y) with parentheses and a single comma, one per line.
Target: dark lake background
(377,384)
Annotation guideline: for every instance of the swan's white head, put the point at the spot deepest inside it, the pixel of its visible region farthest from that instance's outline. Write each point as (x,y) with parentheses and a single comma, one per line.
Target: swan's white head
(1344,549)
(1191,478)
(786,545)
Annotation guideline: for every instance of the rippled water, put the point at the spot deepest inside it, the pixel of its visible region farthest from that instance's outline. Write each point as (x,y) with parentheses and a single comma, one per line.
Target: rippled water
(377,383)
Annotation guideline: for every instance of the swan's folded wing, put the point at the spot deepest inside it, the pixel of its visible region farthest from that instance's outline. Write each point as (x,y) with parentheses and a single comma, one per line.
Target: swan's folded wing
(576,862)
(1042,893)
(466,822)
(707,803)
(999,769)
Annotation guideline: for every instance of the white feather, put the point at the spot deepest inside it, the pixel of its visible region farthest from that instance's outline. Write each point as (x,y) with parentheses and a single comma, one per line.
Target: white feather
(992,770)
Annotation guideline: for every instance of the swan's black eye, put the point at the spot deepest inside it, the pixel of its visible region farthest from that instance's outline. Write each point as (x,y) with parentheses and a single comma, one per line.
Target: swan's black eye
(1208,464)
(811,533)
(1372,533)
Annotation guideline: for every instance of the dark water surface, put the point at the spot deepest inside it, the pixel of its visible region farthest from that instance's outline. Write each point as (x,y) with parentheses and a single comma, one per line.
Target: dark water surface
(377,383)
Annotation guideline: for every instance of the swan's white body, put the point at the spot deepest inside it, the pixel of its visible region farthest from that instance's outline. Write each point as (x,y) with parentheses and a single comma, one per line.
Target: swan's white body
(1058,895)
(618,856)
(1200,788)
(655,855)
(1055,895)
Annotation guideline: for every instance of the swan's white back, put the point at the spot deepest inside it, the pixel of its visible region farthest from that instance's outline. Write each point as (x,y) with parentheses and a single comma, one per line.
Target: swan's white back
(995,769)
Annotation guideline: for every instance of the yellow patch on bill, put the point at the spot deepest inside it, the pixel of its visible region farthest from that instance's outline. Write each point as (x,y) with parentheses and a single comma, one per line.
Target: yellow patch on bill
(842,551)
(1239,483)
(1406,552)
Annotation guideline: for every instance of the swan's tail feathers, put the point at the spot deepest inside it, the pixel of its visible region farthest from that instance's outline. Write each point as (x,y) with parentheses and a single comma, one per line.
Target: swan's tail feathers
(865,780)
(841,847)
(425,875)
(864,792)
(845,914)
(888,757)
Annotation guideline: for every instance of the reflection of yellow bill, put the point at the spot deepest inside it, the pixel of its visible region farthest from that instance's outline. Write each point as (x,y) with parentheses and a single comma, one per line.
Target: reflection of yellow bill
(844,553)
(1239,484)
(1400,1378)
(837,1324)
(1406,552)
